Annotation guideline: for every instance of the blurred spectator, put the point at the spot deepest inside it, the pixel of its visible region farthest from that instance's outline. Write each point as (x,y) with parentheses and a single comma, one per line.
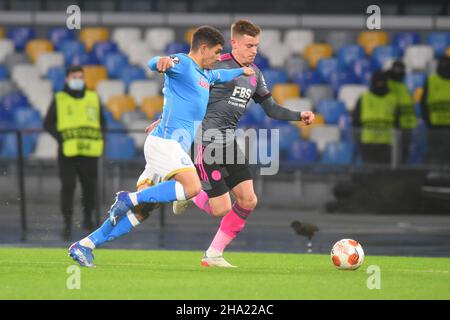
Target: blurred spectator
(405,104)
(376,114)
(436,112)
(75,120)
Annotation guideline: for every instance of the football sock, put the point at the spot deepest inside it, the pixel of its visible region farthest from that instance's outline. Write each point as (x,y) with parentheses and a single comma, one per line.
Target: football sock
(163,192)
(201,201)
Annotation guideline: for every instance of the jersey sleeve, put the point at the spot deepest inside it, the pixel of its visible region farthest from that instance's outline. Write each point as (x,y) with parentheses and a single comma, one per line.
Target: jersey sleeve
(262,92)
(179,63)
(224,75)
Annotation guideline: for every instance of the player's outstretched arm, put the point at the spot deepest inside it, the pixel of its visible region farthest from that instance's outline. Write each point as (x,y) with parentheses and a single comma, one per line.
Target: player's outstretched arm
(226,75)
(160,64)
(278,112)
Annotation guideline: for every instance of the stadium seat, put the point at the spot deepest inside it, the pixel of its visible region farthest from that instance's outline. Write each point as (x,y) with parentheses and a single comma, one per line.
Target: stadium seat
(381,55)
(348,54)
(281,92)
(91,35)
(288,134)
(13,101)
(114,63)
(294,66)
(415,80)
(362,69)
(256,112)
(137,133)
(49,60)
(59,35)
(57,76)
(188,34)
(177,47)
(27,118)
(94,74)
(111,122)
(138,53)
(278,55)
(369,40)
(71,48)
(34,48)
(261,62)
(6,48)
(46,147)
(403,40)
(143,88)
(108,88)
(4,72)
(159,38)
(128,118)
(6,87)
(349,94)
(417,57)
(274,76)
(306,79)
(119,147)
(152,105)
(417,95)
(130,74)
(42,101)
(82,59)
(321,135)
(101,49)
(119,104)
(20,36)
(298,104)
(326,67)
(22,74)
(303,152)
(447,52)
(269,38)
(9,148)
(297,39)
(13,59)
(339,152)
(331,110)
(39,92)
(339,79)
(2,32)
(438,40)
(318,92)
(125,36)
(340,38)
(316,51)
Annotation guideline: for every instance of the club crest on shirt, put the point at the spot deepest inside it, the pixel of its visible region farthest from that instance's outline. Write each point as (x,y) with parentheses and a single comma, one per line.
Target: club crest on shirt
(175,59)
(185,161)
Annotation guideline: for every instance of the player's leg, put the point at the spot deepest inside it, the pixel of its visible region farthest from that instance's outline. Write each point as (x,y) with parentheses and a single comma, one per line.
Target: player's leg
(168,160)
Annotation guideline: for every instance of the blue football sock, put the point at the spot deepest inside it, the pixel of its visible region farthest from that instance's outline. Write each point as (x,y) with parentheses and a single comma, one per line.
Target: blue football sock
(123,227)
(163,192)
(100,235)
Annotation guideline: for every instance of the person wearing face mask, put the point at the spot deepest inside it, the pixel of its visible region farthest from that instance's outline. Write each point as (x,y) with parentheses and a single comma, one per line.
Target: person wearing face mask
(75,119)
(407,115)
(436,112)
(376,115)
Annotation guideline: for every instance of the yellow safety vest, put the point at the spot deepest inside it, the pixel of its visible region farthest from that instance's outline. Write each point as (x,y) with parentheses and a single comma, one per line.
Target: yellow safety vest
(377,117)
(407,114)
(438,100)
(78,121)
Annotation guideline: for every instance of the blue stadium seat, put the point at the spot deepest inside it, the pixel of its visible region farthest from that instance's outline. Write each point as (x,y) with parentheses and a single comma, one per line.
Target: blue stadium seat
(306,79)
(112,123)
(415,80)
(261,62)
(6,118)
(257,112)
(177,47)
(338,152)
(81,59)
(14,100)
(57,76)
(303,152)
(119,147)
(247,121)
(71,48)
(403,40)
(326,67)
(341,78)
(114,63)
(101,49)
(4,73)
(361,68)
(381,54)
(20,36)
(9,146)
(273,76)
(59,35)
(439,41)
(348,54)
(346,127)
(331,110)
(132,73)
(288,134)
(27,118)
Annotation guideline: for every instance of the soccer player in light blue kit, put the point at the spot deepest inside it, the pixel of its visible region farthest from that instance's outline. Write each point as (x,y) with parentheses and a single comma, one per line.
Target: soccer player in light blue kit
(169,173)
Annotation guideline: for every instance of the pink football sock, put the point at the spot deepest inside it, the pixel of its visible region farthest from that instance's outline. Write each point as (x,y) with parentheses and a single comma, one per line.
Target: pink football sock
(201,201)
(231,225)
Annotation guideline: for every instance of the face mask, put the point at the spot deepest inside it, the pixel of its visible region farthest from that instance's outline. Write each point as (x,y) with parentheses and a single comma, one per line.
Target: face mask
(76,84)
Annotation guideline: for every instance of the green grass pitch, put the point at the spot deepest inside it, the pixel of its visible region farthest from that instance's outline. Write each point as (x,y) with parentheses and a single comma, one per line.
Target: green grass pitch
(139,274)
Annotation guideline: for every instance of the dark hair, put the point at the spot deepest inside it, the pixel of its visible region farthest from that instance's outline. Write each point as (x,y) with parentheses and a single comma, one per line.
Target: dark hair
(73,69)
(245,27)
(206,35)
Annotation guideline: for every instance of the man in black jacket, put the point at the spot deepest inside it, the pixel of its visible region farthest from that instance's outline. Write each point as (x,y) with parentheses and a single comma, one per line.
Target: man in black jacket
(75,119)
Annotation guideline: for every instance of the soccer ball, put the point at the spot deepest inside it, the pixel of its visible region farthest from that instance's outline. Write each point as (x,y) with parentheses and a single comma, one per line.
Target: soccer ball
(347,254)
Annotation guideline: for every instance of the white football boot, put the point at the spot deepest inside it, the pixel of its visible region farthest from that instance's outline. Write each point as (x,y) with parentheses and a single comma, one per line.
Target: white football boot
(216,261)
(180,206)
